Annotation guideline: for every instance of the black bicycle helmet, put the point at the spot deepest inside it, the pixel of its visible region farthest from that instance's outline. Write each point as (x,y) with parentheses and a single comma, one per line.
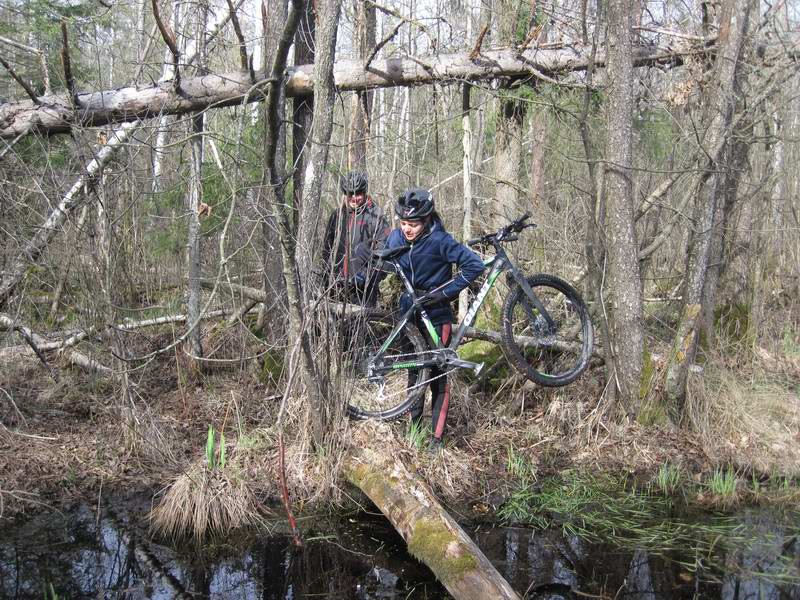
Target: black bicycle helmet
(414,205)
(354,182)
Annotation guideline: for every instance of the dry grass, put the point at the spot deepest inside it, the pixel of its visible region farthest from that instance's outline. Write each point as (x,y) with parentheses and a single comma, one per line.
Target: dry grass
(747,419)
(204,502)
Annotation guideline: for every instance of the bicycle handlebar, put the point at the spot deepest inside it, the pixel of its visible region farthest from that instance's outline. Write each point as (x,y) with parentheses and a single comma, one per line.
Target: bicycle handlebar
(504,233)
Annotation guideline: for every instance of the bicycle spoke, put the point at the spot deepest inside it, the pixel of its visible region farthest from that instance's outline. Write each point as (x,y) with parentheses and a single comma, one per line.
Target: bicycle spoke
(382,393)
(550,353)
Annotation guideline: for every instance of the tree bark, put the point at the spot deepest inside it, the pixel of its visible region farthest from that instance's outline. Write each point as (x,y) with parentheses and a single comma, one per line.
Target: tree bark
(624,283)
(466,143)
(57,115)
(432,535)
(362,101)
(323,409)
(303,106)
(509,121)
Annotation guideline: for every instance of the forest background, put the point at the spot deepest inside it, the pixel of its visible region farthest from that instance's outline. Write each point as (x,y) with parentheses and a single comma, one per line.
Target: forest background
(166,176)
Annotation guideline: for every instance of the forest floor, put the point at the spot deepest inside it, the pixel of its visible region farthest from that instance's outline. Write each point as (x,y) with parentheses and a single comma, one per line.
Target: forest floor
(75,439)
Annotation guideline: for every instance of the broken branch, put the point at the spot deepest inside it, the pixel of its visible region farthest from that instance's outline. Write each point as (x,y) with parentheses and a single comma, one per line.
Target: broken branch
(19,80)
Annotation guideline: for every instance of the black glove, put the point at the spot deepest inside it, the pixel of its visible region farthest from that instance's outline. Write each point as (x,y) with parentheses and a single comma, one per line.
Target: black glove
(434,298)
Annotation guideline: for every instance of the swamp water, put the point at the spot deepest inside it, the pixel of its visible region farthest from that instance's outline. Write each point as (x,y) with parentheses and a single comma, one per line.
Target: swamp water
(78,555)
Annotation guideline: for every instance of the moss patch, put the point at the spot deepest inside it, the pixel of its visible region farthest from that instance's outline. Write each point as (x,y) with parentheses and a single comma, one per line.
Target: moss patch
(433,543)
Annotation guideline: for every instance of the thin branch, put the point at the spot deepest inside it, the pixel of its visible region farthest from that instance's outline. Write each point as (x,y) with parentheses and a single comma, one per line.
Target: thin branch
(169,40)
(40,55)
(10,145)
(381,44)
(19,80)
(675,34)
(397,15)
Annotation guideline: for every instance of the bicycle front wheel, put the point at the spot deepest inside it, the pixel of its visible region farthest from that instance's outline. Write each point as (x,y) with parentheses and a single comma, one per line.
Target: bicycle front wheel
(550,355)
(395,393)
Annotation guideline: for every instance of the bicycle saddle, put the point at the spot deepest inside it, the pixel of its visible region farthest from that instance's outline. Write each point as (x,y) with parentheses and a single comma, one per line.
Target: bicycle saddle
(390,253)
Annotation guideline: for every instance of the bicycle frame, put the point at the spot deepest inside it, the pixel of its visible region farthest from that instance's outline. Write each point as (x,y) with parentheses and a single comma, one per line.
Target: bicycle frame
(446,355)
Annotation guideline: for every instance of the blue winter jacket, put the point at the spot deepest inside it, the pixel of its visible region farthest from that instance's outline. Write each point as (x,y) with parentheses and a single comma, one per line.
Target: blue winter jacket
(429,264)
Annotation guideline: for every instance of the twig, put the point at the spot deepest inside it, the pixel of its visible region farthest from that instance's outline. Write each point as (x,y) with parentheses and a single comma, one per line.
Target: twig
(11,145)
(19,80)
(246,64)
(394,13)
(65,62)
(169,39)
(381,44)
(285,493)
(675,34)
(476,51)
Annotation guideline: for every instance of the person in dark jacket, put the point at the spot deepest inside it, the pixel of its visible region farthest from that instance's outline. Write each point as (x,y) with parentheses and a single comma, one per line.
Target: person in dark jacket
(354,231)
(428,264)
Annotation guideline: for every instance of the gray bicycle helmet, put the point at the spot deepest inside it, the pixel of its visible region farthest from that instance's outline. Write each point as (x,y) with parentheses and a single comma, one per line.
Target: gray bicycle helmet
(354,182)
(414,205)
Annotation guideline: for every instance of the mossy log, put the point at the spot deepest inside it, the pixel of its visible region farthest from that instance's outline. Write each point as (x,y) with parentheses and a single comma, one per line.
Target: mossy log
(432,535)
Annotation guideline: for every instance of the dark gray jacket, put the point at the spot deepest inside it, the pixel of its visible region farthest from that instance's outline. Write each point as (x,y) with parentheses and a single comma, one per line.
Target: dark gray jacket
(350,238)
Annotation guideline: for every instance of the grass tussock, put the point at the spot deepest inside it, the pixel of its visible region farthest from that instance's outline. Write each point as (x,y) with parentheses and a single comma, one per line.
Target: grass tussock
(203,502)
(751,421)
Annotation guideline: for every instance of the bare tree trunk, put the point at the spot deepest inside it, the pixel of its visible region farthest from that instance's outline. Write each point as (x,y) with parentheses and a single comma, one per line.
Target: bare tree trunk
(167,73)
(720,100)
(736,161)
(303,106)
(508,139)
(194,198)
(624,283)
(466,226)
(323,410)
(193,254)
(538,133)
(362,101)
(508,154)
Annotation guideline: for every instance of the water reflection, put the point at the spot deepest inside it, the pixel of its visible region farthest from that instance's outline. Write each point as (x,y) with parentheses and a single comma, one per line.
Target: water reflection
(77,555)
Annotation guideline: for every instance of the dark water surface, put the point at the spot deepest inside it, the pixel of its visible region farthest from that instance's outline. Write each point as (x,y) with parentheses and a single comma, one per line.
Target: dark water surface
(77,555)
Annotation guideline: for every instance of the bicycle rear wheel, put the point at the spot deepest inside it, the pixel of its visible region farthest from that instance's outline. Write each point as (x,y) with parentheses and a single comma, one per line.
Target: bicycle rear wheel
(549,357)
(400,389)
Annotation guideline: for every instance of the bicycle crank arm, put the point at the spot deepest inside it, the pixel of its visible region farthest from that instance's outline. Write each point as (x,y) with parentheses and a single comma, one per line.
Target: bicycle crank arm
(464,364)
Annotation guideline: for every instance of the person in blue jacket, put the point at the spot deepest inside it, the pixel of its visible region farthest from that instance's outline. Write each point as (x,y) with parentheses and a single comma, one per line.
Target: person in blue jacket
(429,267)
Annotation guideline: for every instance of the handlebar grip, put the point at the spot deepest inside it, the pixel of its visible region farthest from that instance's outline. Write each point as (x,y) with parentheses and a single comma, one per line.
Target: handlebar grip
(474,241)
(524,217)
(511,238)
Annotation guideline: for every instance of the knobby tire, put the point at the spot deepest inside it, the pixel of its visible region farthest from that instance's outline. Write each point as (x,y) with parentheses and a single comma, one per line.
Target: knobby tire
(559,360)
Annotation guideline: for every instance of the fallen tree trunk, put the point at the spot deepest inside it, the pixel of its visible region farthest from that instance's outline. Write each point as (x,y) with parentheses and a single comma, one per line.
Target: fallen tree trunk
(57,114)
(432,535)
(11,354)
(38,343)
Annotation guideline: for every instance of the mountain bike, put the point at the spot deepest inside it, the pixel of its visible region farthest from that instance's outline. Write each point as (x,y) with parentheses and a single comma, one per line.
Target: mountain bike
(546,334)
